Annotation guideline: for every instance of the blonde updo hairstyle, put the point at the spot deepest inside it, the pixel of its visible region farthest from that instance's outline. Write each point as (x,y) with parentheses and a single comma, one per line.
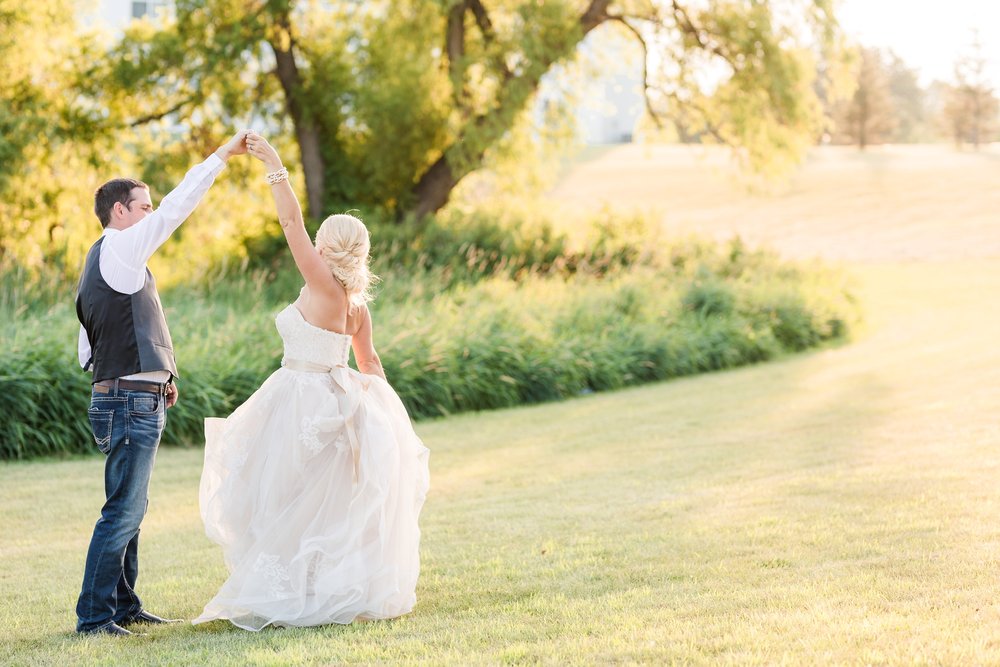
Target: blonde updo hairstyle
(342,241)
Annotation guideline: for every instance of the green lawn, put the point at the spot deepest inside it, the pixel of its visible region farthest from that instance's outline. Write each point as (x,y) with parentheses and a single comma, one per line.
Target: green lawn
(834,507)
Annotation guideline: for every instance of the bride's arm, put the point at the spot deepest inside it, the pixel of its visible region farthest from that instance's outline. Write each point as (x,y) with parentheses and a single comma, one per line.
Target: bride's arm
(312,267)
(364,348)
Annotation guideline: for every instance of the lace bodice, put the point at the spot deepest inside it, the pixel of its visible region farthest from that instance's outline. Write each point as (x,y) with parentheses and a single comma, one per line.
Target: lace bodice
(306,342)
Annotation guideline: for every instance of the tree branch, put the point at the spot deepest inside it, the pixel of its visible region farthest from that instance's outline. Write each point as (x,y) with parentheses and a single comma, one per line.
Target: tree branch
(159,116)
(432,190)
(710,127)
(482,19)
(455,37)
(687,26)
(455,48)
(645,67)
(485,25)
(595,15)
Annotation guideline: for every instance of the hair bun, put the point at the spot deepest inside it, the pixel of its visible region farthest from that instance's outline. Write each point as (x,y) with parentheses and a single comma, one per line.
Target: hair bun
(343,243)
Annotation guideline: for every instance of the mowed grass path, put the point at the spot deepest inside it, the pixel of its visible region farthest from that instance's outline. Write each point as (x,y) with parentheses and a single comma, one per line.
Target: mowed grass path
(840,506)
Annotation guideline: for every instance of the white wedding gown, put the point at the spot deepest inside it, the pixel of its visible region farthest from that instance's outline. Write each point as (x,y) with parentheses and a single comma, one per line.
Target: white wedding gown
(313,488)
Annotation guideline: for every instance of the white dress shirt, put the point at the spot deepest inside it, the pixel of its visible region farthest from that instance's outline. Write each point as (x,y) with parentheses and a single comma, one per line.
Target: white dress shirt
(125,252)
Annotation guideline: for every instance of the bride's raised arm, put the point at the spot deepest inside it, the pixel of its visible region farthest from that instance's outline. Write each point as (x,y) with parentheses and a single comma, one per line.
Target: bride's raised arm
(312,267)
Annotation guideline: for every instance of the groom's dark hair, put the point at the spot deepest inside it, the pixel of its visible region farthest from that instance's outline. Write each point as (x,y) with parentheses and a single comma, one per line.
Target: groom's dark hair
(117,190)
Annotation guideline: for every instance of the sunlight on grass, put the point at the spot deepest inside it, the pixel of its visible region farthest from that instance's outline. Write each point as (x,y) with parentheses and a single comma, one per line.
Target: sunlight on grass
(888,203)
(833,507)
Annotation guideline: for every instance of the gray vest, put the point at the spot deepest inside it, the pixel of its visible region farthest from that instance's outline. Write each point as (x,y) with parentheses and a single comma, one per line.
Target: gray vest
(128,332)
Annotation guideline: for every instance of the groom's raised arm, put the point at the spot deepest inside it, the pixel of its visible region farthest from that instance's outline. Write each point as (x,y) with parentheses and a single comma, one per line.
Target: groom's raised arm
(125,253)
(134,246)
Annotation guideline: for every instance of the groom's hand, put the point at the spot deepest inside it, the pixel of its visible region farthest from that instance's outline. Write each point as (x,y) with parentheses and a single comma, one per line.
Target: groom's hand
(171,394)
(237,145)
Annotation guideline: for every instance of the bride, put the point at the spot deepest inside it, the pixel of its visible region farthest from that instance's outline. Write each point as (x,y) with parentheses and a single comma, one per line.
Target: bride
(313,486)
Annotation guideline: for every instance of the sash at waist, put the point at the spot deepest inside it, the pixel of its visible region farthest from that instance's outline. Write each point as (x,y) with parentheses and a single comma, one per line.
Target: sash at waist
(307,366)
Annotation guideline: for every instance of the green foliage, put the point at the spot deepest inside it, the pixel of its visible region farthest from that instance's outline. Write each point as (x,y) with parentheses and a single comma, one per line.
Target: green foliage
(707,297)
(30,49)
(372,89)
(472,316)
(392,105)
(47,145)
(44,401)
(761,99)
(511,239)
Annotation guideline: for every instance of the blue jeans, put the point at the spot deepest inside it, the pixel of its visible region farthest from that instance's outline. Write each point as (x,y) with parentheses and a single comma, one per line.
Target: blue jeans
(127,426)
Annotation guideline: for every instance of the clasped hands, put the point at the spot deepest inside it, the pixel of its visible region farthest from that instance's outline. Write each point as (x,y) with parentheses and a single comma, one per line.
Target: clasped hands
(249,141)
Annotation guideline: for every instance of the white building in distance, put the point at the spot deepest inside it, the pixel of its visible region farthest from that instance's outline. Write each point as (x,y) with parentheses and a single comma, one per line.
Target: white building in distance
(116,14)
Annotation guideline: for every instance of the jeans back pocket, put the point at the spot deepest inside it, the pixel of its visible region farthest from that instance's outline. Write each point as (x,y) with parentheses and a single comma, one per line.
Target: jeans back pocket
(100,426)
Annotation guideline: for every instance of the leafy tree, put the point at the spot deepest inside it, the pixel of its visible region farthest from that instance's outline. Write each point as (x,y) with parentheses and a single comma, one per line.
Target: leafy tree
(869,116)
(45,137)
(56,147)
(970,108)
(392,104)
(22,101)
(909,99)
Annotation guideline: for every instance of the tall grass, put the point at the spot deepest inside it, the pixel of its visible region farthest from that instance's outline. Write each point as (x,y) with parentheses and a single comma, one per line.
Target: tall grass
(479,317)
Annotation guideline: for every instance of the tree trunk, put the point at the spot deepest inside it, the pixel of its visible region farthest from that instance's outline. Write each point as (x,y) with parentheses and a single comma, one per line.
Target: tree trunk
(434,187)
(436,184)
(313,166)
(863,121)
(307,134)
(977,121)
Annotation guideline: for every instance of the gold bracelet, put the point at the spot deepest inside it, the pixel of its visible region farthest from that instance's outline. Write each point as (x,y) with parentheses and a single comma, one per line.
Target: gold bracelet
(276,177)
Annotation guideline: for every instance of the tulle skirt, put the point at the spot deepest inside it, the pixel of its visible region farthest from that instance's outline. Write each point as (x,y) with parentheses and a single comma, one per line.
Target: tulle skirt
(313,488)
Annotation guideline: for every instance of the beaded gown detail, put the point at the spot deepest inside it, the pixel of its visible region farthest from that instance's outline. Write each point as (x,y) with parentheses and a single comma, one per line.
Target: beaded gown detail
(312,488)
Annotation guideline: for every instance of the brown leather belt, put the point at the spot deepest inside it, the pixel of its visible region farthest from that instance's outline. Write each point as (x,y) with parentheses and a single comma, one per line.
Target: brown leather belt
(107,386)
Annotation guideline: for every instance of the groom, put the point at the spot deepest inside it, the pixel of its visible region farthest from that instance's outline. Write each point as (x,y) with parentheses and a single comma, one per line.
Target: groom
(125,341)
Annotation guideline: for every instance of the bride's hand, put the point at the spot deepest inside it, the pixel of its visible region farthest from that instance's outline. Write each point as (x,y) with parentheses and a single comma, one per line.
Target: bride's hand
(258,147)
